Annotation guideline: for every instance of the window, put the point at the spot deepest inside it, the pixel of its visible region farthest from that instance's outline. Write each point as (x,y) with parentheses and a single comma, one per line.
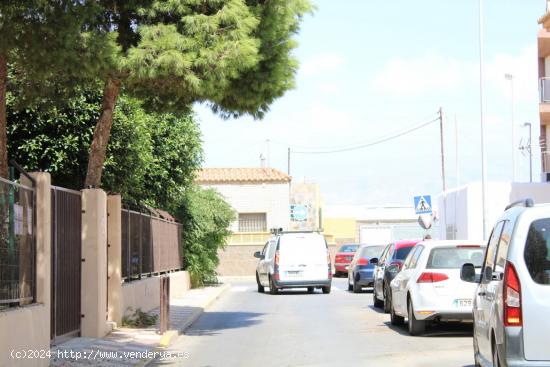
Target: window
(370,252)
(271,249)
(408,259)
(252,222)
(537,251)
(455,257)
(348,248)
(415,257)
(493,245)
(502,252)
(402,252)
(384,255)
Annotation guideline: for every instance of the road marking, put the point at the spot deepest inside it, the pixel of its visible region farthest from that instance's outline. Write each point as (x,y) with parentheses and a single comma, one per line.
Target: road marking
(239,289)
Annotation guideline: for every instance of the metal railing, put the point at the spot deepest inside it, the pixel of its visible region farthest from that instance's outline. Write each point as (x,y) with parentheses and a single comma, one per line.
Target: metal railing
(544,89)
(17,244)
(150,245)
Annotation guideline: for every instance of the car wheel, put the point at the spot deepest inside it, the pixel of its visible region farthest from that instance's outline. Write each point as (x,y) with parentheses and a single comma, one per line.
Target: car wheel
(416,327)
(260,286)
(394,318)
(310,289)
(376,302)
(272,288)
(326,290)
(387,299)
(496,360)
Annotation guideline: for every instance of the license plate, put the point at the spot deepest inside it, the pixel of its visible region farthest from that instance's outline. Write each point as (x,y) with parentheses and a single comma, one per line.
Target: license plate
(463,303)
(294,273)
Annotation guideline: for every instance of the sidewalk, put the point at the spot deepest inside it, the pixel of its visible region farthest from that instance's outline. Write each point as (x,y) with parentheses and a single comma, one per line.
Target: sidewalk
(135,347)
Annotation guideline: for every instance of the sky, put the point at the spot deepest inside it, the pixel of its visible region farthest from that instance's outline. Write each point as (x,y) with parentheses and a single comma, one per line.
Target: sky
(374,68)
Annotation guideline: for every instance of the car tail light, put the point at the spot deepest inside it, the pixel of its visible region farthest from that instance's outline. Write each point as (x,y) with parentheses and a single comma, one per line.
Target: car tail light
(329,266)
(399,264)
(363,261)
(276,266)
(339,258)
(512,297)
(428,277)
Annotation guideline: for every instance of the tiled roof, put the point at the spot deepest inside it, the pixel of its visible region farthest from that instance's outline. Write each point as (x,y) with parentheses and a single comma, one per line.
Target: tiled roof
(240,175)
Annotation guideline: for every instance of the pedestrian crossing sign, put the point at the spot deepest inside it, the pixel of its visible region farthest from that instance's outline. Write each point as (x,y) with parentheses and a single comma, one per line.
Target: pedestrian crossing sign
(423,204)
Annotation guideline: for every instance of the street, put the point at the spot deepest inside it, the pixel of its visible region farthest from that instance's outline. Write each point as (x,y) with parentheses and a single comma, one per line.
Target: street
(245,328)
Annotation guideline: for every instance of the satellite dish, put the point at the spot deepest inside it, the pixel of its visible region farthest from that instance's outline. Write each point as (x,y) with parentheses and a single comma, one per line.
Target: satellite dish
(425,221)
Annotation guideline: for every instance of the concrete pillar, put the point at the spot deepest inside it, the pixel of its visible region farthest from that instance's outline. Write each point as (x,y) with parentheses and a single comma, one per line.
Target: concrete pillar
(114,252)
(94,263)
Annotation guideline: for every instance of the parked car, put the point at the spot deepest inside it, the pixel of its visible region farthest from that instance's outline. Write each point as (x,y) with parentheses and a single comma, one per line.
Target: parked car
(512,302)
(361,268)
(294,260)
(390,263)
(429,287)
(343,258)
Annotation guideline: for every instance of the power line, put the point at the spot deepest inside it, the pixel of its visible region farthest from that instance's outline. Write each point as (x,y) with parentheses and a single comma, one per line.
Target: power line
(372,143)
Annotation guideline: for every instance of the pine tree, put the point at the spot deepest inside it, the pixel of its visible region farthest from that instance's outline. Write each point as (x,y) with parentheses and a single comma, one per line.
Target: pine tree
(233,54)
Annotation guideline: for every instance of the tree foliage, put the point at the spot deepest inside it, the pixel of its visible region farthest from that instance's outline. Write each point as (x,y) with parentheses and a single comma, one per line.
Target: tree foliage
(206,217)
(151,158)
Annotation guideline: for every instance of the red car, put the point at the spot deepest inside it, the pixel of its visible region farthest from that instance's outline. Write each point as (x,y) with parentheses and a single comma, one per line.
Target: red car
(343,258)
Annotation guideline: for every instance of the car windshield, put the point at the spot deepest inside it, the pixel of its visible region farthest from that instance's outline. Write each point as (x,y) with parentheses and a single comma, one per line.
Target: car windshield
(537,251)
(455,257)
(348,248)
(371,251)
(402,252)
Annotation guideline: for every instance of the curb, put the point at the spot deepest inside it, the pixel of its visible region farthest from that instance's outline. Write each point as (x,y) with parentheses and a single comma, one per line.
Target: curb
(171,335)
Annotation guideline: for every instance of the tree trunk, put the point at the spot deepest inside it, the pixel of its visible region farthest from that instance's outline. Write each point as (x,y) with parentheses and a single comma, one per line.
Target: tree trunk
(102,132)
(3,117)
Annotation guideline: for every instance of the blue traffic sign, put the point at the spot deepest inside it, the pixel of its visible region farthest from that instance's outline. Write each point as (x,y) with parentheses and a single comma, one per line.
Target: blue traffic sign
(298,213)
(423,204)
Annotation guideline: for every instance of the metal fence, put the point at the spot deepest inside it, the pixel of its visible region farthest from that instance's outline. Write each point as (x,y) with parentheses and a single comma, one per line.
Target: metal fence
(150,245)
(17,244)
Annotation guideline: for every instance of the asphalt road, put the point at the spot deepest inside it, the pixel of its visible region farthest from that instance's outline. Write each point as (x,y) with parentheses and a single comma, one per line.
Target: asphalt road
(245,328)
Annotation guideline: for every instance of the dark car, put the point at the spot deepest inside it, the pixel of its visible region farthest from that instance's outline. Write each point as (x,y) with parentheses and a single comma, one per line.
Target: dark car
(343,258)
(361,268)
(387,267)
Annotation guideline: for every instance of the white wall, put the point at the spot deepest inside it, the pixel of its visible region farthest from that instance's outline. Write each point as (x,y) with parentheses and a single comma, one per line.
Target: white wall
(464,206)
(272,199)
(547,66)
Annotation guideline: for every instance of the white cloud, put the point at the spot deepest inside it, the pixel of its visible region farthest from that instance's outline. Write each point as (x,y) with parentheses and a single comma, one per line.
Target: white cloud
(430,73)
(523,66)
(322,63)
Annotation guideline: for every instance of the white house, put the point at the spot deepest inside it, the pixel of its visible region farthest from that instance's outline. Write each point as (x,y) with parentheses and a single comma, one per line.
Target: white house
(260,196)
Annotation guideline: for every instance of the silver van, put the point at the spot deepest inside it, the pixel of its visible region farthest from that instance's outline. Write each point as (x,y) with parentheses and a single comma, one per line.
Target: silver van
(294,260)
(512,301)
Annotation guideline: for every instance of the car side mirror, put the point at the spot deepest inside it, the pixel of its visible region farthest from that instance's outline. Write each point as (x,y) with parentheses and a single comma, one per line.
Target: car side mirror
(393,268)
(468,273)
(374,260)
(259,255)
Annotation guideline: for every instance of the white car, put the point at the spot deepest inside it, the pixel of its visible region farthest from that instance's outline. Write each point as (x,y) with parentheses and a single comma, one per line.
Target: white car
(429,285)
(294,260)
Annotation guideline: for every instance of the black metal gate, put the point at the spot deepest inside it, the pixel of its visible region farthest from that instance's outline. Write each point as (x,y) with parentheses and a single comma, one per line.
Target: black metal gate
(66,262)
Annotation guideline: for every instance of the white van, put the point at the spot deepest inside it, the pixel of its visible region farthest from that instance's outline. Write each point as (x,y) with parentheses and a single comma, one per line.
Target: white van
(294,260)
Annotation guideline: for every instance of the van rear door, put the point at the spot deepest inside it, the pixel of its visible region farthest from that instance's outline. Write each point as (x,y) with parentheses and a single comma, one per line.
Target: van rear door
(303,257)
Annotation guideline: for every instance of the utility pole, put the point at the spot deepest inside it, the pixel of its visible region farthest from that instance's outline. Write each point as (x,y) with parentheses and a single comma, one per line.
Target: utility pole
(288,162)
(442,141)
(482,123)
(442,149)
(457,159)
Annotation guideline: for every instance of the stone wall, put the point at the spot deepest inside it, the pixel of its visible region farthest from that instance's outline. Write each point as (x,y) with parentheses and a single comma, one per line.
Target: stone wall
(239,260)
